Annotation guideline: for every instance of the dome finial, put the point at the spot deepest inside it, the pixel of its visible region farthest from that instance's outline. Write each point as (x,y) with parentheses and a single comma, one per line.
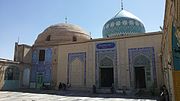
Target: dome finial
(121,4)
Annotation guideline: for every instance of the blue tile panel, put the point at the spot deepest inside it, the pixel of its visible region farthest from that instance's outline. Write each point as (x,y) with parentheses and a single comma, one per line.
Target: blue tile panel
(42,66)
(147,52)
(108,50)
(35,56)
(48,56)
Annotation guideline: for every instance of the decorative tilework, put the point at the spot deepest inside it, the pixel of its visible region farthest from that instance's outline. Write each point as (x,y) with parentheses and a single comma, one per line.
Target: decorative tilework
(112,24)
(42,67)
(131,22)
(147,52)
(82,57)
(118,23)
(35,55)
(124,23)
(48,55)
(33,73)
(126,27)
(109,53)
(47,73)
(137,23)
(73,56)
(106,45)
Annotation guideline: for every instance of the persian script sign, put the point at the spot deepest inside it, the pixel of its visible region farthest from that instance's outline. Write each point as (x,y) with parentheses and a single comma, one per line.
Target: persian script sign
(105,45)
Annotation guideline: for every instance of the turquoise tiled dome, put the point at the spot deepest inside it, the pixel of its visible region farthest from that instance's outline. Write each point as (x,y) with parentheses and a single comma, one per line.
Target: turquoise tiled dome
(123,23)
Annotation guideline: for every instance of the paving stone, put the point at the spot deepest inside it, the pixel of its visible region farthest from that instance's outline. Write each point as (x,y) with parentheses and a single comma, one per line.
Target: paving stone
(20,96)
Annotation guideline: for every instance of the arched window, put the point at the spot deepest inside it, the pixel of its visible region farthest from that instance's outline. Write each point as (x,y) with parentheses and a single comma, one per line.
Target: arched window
(12,73)
(9,74)
(48,38)
(41,55)
(74,38)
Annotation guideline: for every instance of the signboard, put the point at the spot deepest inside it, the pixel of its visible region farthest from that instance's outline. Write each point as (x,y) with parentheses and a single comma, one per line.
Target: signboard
(106,45)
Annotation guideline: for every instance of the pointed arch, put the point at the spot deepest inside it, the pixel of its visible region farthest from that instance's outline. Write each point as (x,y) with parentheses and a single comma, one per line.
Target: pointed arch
(141,60)
(76,63)
(142,71)
(76,72)
(11,80)
(106,61)
(12,73)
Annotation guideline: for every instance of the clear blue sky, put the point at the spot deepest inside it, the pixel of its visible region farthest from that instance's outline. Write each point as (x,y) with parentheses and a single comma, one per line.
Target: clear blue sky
(28,18)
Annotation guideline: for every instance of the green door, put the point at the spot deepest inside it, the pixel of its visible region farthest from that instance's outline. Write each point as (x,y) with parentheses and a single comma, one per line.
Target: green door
(39,80)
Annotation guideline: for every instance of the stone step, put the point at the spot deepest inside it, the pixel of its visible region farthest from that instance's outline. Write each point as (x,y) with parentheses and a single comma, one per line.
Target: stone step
(104,90)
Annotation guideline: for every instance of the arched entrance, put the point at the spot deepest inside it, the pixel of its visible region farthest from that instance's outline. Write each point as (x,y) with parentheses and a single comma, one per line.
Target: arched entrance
(11,80)
(76,73)
(106,72)
(142,72)
(26,77)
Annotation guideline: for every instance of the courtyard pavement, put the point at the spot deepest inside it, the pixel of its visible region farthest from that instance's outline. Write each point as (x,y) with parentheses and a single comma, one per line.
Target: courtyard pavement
(49,95)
